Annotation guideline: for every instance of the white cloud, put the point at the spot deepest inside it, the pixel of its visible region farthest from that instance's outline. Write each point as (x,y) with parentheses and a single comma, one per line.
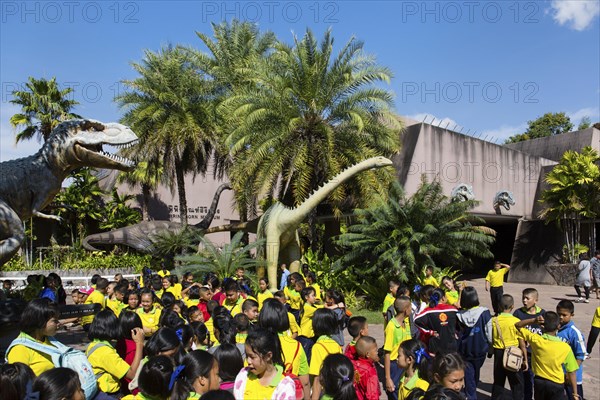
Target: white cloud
(577,14)
(499,135)
(576,117)
(8,149)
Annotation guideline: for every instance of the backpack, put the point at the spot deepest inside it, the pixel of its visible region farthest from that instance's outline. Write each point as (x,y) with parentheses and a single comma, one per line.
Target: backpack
(288,372)
(66,357)
(472,342)
(297,383)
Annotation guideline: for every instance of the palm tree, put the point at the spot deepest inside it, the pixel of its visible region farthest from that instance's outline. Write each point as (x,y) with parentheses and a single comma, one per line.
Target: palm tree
(308,115)
(222,261)
(400,236)
(232,56)
(169,106)
(43,106)
(574,194)
(117,213)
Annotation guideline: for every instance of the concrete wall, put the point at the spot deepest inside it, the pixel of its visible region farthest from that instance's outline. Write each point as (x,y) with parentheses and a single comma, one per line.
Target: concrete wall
(554,147)
(453,158)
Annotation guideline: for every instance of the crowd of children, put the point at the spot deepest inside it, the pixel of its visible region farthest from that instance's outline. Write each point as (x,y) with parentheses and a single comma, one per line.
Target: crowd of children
(164,339)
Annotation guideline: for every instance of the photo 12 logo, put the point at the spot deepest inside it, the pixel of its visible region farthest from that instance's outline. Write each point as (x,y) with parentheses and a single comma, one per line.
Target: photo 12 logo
(469,92)
(83,92)
(52,12)
(271,11)
(453,12)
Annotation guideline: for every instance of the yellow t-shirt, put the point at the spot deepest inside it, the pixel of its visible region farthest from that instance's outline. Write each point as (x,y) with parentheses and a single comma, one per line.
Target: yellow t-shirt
(452,297)
(405,386)
(496,278)
(294,299)
(176,290)
(116,306)
(306,327)
(162,273)
(510,334)
(38,362)
(431,281)
(395,334)
(236,308)
(548,355)
(294,355)
(294,328)
(211,329)
(108,365)
(256,391)
(94,297)
(387,302)
(317,290)
(596,319)
(323,347)
(150,319)
(263,296)
(191,302)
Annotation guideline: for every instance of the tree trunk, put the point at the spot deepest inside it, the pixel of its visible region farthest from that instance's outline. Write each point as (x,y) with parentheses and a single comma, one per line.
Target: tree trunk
(183,217)
(145,202)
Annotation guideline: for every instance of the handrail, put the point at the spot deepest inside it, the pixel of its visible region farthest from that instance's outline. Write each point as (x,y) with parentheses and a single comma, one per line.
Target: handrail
(65,279)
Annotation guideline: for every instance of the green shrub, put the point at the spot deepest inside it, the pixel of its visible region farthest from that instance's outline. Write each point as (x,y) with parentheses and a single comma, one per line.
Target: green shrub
(78,260)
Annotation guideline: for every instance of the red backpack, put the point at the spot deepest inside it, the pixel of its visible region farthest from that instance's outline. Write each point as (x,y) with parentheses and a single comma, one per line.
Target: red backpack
(297,383)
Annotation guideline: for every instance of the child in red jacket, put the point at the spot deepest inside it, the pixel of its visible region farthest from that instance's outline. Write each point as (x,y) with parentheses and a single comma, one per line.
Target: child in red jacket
(366,382)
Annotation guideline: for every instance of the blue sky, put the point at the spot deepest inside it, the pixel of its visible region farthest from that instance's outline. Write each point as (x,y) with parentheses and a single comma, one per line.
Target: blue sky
(483,66)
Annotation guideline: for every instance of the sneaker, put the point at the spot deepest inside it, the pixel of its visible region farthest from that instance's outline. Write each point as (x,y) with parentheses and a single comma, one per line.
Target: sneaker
(586,301)
(580,300)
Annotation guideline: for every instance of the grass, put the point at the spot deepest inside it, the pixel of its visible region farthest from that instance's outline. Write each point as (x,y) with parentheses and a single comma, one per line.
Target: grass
(373,317)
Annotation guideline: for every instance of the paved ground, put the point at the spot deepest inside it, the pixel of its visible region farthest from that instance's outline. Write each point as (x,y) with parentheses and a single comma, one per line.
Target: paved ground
(549,297)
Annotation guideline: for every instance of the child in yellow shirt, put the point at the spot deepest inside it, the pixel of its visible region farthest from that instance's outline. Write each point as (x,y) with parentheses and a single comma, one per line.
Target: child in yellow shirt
(429,278)
(494,283)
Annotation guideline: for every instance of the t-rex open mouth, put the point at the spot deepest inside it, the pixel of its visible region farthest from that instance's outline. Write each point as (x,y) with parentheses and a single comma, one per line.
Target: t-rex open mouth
(98,150)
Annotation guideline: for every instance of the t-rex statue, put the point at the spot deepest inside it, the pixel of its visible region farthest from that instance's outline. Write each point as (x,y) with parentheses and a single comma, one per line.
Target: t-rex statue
(29,184)
(140,236)
(279,223)
(505,199)
(462,192)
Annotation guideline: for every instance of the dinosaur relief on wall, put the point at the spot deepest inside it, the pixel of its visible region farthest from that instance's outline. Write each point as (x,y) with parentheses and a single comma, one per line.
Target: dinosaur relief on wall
(462,192)
(504,199)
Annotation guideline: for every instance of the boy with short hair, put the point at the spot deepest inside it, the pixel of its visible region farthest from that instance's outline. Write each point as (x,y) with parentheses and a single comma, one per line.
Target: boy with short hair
(494,283)
(504,335)
(239,273)
(115,302)
(250,310)
(396,332)
(550,359)
(367,384)
(97,297)
(357,328)
(429,278)
(233,298)
(394,284)
(570,334)
(529,310)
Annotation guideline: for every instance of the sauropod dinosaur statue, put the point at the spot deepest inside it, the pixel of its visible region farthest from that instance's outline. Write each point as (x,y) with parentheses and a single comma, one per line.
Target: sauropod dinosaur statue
(279,223)
(140,236)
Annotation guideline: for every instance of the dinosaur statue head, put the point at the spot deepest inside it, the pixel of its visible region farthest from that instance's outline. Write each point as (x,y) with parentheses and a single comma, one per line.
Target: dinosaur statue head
(505,199)
(78,142)
(462,192)
(380,161)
